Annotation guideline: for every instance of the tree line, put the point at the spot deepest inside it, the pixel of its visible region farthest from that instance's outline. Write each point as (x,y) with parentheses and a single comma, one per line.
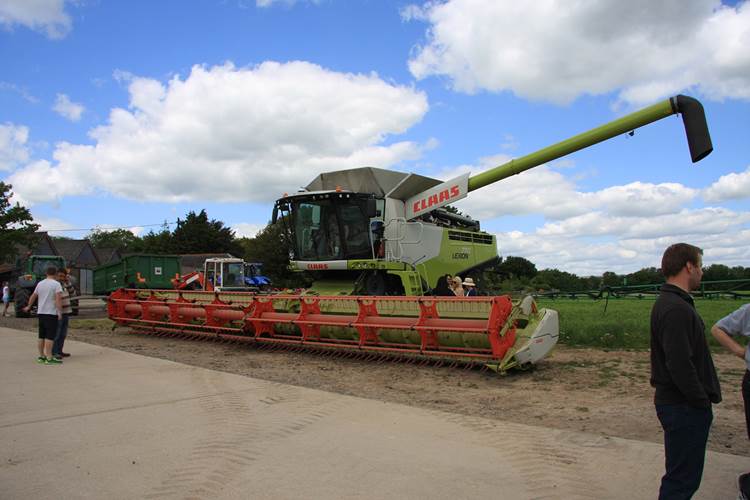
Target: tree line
(518,273)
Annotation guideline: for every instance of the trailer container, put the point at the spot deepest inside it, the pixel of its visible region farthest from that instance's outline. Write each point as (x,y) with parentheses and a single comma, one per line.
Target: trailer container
(137,271)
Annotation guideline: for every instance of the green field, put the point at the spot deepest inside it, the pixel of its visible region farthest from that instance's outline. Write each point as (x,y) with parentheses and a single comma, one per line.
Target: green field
(625,324)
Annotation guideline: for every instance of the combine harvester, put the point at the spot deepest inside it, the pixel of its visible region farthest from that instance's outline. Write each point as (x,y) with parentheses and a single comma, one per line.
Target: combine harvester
(380,240)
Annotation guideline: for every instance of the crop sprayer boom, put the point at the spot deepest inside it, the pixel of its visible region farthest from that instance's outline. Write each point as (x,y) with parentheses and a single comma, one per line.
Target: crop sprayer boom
(378,241)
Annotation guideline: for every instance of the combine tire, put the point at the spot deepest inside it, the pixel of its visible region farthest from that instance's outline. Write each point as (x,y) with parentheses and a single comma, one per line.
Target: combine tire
(21,300)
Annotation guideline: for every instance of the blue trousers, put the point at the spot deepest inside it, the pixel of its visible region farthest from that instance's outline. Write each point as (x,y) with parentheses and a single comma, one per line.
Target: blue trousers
(62,332)
(685,437)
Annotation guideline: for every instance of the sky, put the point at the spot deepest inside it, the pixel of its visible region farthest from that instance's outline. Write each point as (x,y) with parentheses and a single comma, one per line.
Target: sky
(131,114)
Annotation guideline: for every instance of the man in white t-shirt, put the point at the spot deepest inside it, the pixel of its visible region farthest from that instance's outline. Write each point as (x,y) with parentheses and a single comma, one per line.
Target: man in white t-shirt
(49,312)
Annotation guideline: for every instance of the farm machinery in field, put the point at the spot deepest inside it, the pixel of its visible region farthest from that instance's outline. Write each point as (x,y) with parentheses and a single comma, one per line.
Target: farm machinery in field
(224,274)
(32,270)
(379,240)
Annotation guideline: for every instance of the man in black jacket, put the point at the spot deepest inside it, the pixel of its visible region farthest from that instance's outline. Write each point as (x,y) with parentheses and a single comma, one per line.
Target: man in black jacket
(682,372)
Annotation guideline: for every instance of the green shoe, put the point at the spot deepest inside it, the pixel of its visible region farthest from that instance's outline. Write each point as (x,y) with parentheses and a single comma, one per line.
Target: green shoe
(41,360)
(52,361)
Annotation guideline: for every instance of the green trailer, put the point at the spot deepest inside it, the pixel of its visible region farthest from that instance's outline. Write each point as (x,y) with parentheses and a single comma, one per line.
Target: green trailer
(137,271)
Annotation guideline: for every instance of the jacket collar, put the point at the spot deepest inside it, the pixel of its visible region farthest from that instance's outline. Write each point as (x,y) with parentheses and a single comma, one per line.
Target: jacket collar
(667,287)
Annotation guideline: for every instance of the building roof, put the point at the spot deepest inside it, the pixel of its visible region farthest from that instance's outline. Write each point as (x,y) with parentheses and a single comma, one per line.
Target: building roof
(107,255)
(77,252)
(43,246)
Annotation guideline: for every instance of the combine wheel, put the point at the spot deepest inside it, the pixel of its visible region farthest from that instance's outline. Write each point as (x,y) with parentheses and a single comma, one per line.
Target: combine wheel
(21,300)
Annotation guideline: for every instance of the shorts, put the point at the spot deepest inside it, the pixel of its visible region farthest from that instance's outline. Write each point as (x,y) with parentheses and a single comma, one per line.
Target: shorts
(47,326)
(6,300)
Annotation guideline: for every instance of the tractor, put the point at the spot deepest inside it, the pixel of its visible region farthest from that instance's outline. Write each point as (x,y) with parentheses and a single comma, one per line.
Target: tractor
(32,270)
(224,274)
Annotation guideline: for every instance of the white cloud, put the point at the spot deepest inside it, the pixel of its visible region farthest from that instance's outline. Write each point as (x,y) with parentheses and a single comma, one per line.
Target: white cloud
(47,16)
(246,229)
(67,108)
(13,148)
(548,192)
(557,51)
(619,228)
(21,91)
(732,186)
(593,256)
(233,134)
(685,222)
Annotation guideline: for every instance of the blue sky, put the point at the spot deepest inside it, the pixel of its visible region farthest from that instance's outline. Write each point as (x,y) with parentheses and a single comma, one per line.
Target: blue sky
(125,114)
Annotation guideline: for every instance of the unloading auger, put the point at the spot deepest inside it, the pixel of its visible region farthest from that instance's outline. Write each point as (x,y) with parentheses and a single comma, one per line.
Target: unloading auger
(380,240)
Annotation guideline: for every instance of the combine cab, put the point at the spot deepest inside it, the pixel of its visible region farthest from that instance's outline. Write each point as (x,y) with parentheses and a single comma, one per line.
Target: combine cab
(380,240)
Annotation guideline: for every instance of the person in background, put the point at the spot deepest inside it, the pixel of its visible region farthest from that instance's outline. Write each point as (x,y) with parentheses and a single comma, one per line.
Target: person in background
(458,288)
(6,297)
(442,288)
(682,372)
(737,324)
(471,288)
(62,326)
(450,282)
(49,312)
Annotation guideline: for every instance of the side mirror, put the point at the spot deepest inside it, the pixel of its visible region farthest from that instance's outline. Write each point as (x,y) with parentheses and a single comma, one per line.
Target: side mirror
(275,215)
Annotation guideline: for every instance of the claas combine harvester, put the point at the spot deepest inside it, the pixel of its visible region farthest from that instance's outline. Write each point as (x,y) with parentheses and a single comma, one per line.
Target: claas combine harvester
(379,240)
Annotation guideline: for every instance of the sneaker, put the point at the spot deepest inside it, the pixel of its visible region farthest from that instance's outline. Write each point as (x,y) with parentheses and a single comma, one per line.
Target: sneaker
(743,482)
(52,361)
(64,354)
(41,359)
(57,356)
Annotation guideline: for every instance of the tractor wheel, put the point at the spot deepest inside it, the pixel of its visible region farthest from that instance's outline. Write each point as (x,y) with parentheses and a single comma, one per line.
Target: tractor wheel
(21,300)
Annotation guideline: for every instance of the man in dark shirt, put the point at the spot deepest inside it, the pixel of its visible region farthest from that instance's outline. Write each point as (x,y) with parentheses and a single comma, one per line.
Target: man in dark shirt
(682,372)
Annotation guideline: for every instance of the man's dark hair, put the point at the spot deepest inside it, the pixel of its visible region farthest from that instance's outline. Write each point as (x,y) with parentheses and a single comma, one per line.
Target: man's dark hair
(51,271)
(677,256)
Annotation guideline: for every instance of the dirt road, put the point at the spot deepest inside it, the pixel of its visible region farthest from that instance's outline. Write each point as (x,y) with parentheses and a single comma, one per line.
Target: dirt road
(605,392)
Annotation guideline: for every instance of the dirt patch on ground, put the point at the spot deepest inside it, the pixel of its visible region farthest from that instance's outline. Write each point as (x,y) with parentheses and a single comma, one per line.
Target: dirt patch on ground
(603,392)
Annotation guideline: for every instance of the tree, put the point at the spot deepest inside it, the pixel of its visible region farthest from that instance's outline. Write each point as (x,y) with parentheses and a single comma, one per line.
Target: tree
(645,276)
(717,272)
(611,279)
(158,243)
(558,280)
(121,239)
(517,267)
(17,226)
(271,247)
(198,234)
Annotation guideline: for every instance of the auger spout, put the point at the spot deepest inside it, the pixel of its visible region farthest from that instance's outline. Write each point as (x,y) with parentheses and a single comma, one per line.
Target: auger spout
(693,117)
